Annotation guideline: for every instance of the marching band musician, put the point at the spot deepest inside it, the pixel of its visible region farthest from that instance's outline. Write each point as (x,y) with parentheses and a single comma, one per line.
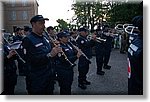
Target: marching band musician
(99,50)
(38,53)
(83,65)
(135,60)
(27,30)
(10,68)
(18,37)
(108,32)
(63,68)
(103,50)
(73,37)
(51,32)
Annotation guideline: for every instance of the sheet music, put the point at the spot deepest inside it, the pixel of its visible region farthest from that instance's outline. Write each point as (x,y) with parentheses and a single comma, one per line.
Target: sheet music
(15,45)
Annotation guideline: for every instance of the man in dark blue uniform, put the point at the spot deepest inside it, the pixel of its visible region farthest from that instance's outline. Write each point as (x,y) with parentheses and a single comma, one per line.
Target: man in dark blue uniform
(38,53)
(10,75)
(100,50)
(64,67)
(83,65)
(18,37)
(108,33)
(51,32)
(73,36)
(103,50)
(135,60)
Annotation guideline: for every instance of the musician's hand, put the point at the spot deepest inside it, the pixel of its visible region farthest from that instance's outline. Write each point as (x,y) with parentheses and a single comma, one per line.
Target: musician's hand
(57,43)
(79,54)
(55,51)
(11,53)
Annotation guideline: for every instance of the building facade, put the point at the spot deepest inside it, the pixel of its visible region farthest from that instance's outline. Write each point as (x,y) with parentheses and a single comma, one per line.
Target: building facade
(17,13)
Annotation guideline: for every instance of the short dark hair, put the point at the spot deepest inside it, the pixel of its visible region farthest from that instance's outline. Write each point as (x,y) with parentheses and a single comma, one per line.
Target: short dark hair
(82,29)
(62,34)
(50,28)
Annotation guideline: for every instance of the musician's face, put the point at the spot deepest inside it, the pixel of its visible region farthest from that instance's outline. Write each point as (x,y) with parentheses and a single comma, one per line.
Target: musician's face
(64,39)
(74,35)
(50,31)
(83,33)
(39,26)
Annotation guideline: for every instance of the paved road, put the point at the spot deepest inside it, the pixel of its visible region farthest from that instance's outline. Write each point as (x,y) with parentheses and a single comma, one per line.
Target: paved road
(114,82)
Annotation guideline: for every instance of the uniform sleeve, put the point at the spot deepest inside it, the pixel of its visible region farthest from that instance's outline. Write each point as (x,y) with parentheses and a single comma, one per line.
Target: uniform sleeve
(33,56)
(73,58)
(83,44)
(6,60)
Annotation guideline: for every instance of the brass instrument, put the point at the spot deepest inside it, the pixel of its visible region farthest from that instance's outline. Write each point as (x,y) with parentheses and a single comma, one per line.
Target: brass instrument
(119,27)
(131,29)
(128,28)
(98,39)
(125,25)
(15,50)
(62,52)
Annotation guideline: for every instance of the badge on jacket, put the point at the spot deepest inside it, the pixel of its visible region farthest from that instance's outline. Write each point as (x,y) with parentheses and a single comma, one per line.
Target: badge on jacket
(82,42)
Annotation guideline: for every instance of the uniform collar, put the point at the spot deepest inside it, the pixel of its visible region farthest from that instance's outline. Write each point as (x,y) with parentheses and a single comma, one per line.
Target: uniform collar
(36,35)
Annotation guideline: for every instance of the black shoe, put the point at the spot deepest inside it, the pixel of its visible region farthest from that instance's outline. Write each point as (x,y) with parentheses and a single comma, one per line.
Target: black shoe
(107,67)
(100,72)
(82,86)
(86,82)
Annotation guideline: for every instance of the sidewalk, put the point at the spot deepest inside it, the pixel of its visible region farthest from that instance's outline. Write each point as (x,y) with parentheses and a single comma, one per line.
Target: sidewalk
(114,82)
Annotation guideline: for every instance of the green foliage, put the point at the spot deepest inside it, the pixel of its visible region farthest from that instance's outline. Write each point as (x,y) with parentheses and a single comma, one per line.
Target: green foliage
(91,14)
(88,13)
(124,12)
(62,24)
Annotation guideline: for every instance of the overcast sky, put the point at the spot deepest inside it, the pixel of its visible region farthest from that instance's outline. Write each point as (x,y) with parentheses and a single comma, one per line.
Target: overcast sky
(55,9)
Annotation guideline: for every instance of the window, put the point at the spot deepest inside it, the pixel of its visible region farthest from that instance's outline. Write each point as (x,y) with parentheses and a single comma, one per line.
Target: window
(13,15)
(24,2)
(25,15)
(13,3)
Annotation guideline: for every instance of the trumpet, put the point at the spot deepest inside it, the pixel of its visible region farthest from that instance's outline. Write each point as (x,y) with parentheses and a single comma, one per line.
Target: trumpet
(125,25)
(98,39)
(119,27)
(131,29)
(62,52)
(15,50)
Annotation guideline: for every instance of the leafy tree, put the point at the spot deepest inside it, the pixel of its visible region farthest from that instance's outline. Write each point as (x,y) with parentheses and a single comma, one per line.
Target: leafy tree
(124,12)
(92,14)
(88,13)
(63,25)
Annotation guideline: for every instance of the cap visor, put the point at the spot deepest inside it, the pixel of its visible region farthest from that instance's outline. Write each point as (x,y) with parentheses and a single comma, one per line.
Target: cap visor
(43,19)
